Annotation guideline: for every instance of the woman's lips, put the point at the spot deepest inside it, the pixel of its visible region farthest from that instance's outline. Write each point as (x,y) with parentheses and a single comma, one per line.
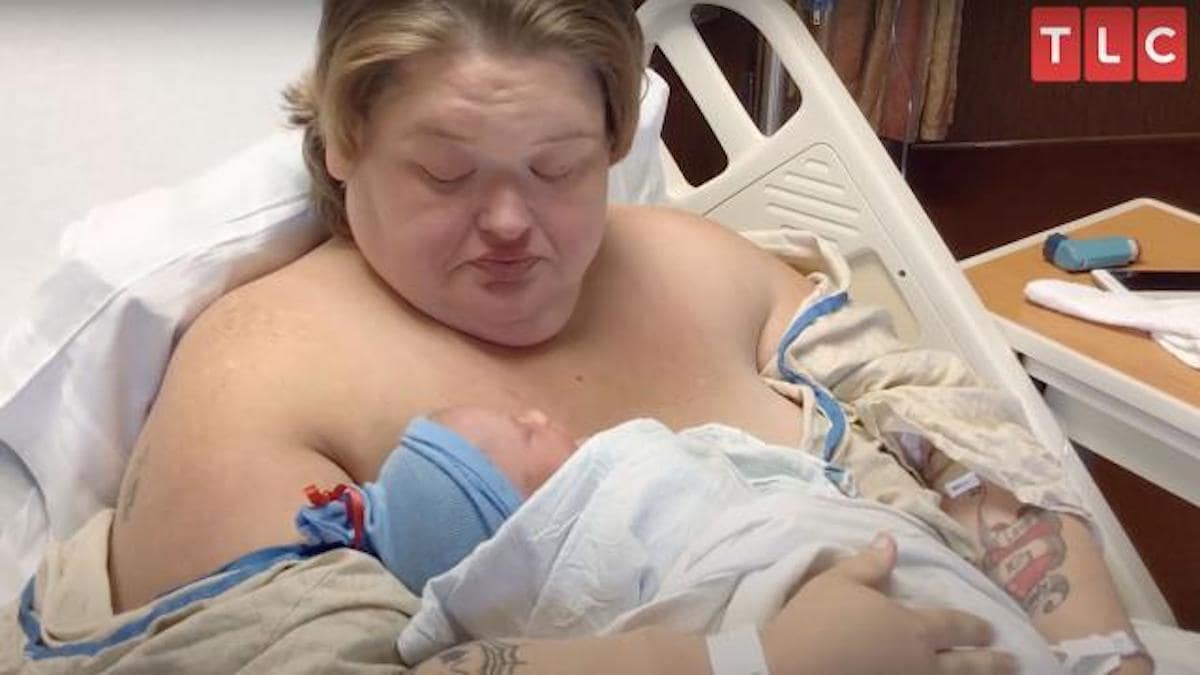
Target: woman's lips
(505,269)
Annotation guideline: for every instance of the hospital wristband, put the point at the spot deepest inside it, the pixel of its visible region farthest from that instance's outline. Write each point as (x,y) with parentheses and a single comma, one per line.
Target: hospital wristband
(1100,653)
(737,652)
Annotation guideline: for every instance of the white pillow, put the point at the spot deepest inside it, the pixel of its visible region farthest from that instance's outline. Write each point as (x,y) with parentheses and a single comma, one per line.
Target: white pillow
(638,178)
(78,373)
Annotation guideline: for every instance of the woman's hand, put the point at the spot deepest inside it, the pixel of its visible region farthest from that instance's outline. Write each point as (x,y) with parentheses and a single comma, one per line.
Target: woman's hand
(837,624)
(840,622)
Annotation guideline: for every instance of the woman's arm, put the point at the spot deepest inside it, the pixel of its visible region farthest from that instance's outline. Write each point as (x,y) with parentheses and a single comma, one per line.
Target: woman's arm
(837,623)
(1048,563)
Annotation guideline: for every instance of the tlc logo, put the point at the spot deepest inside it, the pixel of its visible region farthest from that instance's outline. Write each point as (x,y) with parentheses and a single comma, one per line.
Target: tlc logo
(1109,44)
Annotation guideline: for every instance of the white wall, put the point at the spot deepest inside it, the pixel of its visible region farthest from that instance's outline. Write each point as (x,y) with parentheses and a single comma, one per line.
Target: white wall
(100,100)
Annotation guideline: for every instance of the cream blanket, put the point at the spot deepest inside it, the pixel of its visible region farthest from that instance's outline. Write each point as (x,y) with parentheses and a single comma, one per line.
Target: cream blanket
(902,399)
(332,612)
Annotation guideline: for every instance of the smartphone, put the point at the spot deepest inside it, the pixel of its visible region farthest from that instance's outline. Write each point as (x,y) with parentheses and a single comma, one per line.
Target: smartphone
(1151,283)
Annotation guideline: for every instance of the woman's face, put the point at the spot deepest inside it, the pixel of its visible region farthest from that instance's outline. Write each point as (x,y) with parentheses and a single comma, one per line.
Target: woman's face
(479,190)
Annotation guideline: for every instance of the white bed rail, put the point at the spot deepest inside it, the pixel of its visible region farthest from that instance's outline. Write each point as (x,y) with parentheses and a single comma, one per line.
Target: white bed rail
(825,171)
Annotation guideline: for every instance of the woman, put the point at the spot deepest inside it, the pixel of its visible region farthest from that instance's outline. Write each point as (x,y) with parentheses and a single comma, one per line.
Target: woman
(459,151)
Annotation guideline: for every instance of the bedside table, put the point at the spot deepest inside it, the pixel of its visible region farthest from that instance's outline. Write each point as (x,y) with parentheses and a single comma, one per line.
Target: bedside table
(1113,390)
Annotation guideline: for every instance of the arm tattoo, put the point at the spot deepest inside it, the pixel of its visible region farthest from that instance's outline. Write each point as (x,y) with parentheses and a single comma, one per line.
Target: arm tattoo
(453,658)
(499,658)
(485,657)
(1022,557)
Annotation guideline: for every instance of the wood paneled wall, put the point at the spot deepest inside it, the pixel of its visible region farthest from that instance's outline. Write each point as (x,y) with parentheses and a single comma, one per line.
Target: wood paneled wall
(980,197)
(997,99)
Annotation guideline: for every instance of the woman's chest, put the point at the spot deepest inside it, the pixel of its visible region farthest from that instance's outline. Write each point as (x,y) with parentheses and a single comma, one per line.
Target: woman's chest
(635,364)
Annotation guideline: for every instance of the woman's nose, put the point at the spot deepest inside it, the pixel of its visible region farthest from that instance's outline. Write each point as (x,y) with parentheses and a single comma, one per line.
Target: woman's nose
(506,216)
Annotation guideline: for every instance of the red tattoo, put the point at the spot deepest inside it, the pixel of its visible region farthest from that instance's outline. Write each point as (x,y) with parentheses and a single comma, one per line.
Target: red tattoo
(1021,557)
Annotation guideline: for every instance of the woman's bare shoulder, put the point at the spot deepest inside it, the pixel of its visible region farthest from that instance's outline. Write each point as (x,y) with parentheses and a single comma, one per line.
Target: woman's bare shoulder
(672,223)
(262,347)
(688,234)
(289,305)
(719,263)
(679,238)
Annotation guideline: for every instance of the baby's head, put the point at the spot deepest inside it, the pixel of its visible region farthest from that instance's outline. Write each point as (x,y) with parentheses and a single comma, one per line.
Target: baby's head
(459,474)
(526,447)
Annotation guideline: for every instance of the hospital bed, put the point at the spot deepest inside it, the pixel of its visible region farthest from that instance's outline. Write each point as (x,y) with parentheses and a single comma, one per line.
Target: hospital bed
(80,368)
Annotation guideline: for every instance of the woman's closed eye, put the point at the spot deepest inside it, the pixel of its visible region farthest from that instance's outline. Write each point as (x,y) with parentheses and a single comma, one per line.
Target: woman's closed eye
(551,172)
(566,160)
(445,176)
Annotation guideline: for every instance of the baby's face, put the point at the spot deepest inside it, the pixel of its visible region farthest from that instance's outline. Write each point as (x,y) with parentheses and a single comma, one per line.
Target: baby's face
(527,447)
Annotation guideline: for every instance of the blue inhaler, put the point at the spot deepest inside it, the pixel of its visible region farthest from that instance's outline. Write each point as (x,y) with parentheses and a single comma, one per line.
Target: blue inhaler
(1080,255)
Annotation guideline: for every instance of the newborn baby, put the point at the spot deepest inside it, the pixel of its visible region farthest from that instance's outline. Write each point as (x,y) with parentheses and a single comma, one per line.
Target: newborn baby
(455,477)
(701,530)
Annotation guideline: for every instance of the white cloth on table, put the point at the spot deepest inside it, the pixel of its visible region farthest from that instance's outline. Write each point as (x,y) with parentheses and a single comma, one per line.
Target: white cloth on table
(1173,323)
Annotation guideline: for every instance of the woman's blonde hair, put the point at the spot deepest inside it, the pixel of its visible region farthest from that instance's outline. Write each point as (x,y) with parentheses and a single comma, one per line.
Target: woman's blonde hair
(361,42)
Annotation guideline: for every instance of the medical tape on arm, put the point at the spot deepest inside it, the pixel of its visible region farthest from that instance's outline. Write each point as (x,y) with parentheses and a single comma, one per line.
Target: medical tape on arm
(1099,654)
(737,652)
(962,485)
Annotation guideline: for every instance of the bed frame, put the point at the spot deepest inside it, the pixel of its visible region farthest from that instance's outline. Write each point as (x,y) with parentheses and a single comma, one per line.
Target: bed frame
(825,171)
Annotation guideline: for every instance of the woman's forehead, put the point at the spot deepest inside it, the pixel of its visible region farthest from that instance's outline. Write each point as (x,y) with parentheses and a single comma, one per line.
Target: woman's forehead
(460,95)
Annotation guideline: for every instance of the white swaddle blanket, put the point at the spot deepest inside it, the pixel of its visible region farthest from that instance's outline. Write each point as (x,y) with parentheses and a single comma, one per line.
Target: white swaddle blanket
(701,530)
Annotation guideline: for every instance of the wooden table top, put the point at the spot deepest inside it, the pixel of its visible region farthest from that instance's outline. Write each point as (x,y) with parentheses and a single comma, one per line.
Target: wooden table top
(1167,241)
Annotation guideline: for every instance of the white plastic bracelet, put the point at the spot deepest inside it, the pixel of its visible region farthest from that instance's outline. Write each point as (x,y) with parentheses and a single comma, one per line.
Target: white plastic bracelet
(737,652)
